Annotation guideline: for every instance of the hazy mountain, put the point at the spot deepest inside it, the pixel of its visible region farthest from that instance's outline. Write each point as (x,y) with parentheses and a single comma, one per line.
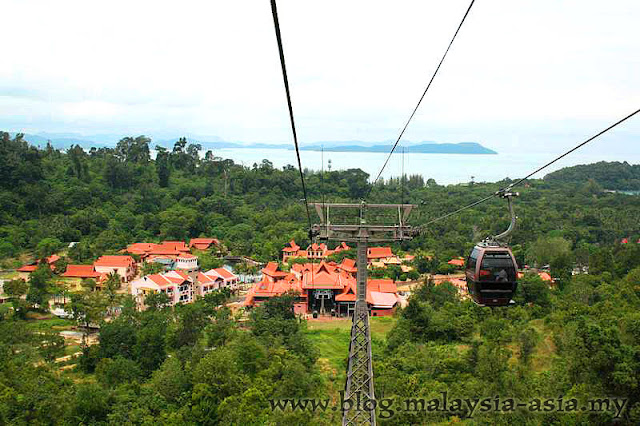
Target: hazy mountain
(425,148)
(66,140)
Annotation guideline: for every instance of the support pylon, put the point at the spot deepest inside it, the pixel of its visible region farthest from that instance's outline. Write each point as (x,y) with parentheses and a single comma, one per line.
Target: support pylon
(359,388)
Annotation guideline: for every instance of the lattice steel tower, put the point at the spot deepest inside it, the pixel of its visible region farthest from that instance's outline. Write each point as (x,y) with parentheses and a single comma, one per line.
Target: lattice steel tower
(359,388)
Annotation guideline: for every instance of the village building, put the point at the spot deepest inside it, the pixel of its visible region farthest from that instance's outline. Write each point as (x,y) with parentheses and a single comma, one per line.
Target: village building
(124,266)
(182,287)
(313,251)
(381,257)
(81,271)
(203,243)
(323,288)
(169,249)
(177,285)
(457,262)
(544,276)
(229,279)
(25,270)
(186,262)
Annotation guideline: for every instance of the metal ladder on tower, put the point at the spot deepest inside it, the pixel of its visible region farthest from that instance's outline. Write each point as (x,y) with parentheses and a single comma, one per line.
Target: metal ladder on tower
(359,396)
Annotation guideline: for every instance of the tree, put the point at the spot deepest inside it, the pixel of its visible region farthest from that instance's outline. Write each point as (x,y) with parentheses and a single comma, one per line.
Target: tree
(547,249)
(157,300)
(39,287)
(191,320)
(78,159)
(163,166)
(532,289)
(15,289)
(111,287)
(113,372)
(151,339)
(91,404)
(118,338)
(46,247)
(86,308)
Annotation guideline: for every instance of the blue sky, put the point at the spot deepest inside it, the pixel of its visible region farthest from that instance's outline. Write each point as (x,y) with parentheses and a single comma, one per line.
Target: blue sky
(523,75)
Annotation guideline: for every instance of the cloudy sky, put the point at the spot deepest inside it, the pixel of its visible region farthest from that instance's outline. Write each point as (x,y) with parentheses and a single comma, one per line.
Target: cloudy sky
(525,74)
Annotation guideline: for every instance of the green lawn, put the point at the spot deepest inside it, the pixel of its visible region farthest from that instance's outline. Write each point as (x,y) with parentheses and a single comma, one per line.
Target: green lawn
(53,324)
(331,338)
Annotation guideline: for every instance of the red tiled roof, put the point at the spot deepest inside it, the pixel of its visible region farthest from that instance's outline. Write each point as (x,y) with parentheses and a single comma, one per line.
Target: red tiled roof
(382,300)
(187,256)
(316,247)
(382,293)
(33,266)
(205,279)
(342,246)
(114,261)
(324,276)
(160,280)
(293,247)
(348,265)
(225,273)
(81,271)
(176,245)
(379,252)
(27,268)
(139,248)
(272,270)
(545,276)
(382,285)
(348,294)
(164,248)
(456,262)
(203,243)
(269,289)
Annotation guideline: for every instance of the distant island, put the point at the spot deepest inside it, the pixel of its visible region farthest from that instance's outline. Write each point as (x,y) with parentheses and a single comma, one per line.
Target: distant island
(424,148)
(66,140)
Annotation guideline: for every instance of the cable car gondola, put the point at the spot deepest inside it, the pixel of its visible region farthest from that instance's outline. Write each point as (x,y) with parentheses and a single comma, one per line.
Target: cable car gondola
(491,269)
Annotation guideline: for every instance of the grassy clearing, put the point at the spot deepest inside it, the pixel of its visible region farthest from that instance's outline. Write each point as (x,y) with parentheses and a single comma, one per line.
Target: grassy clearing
(331,338)
(53,324)
(8,275)
(545,352)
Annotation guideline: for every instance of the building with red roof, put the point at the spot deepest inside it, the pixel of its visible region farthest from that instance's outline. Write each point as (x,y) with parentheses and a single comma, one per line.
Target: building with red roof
(186,262)
(124,266)
(313,251)
(203,243)
(165,248)
(177,285)
(25,270)
(322,287)
(545,276)
(225,277)
(81,271)
(459,262)
(379,252)
(380,257)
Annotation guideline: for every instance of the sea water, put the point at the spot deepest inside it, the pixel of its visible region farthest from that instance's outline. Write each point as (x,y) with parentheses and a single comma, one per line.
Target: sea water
(444,168)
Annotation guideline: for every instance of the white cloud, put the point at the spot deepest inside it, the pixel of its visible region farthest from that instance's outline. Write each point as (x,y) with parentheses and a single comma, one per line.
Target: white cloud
(519,71)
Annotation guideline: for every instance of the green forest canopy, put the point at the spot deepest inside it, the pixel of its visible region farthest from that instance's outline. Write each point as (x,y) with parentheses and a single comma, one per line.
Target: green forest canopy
(196,364)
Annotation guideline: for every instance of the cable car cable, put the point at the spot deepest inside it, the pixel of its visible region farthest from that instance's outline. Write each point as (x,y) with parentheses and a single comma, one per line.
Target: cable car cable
(574,149)
(518,182)
(276,24)
(421,98)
